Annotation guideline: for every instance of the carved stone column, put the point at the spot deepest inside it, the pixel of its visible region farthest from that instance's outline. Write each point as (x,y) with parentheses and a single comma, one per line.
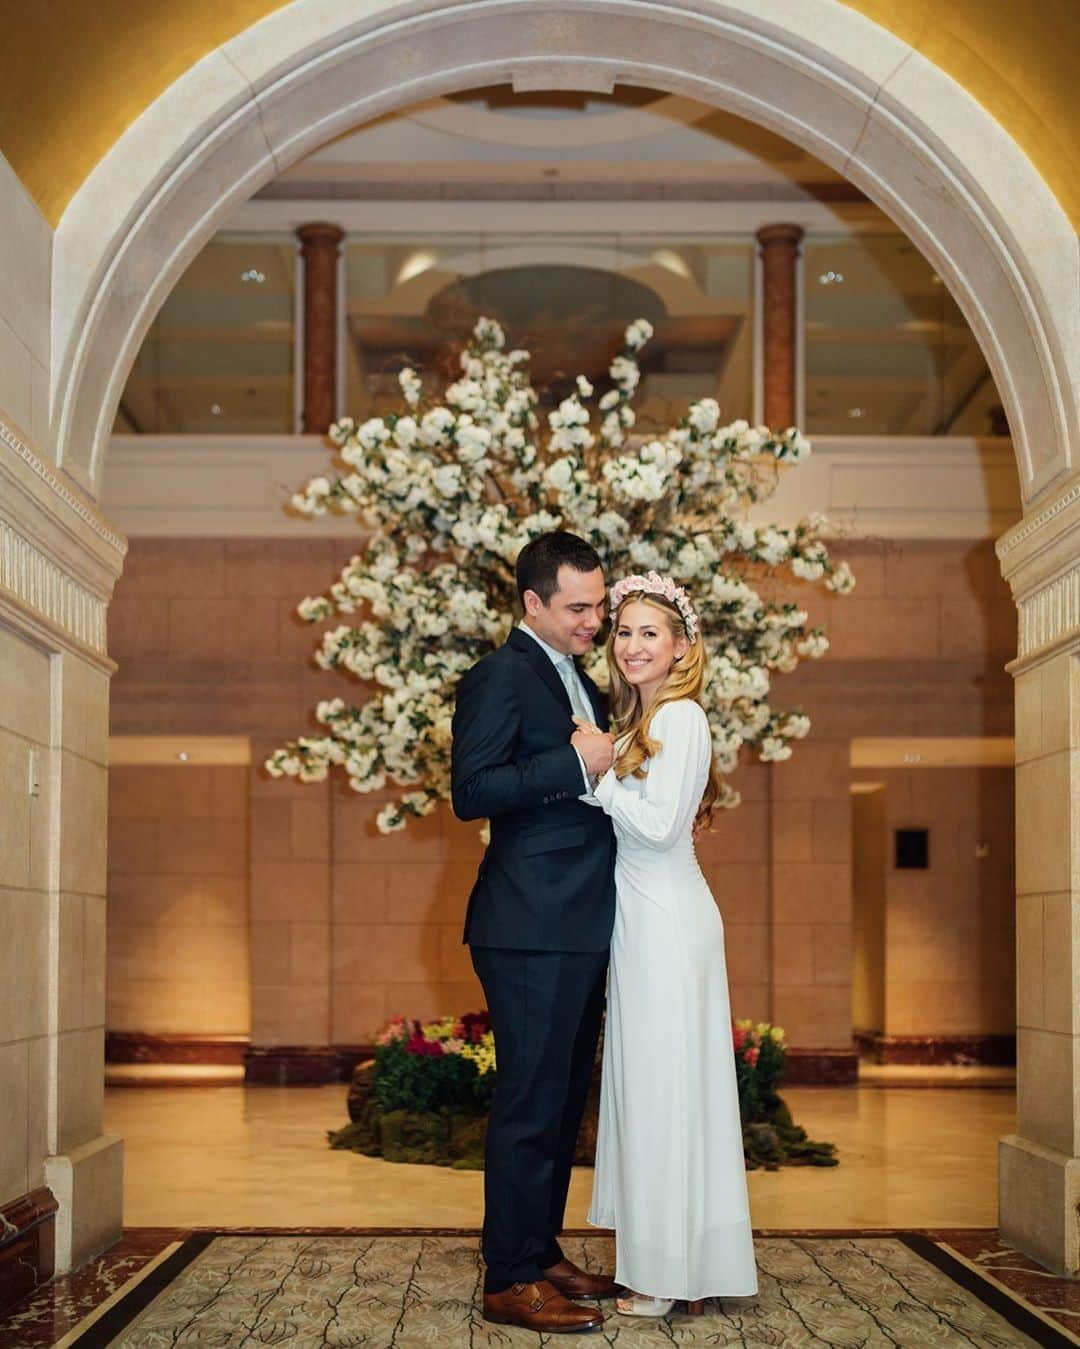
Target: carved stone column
(59,561)
(1039,1165)
(779,257)
(319,248)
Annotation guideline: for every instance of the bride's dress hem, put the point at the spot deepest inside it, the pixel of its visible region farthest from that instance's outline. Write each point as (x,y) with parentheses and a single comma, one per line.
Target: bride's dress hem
(688,1292)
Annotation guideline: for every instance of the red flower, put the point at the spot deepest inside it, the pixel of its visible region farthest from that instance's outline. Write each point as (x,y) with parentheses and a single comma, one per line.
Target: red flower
(418,1045)
(751,1056)
(474,1026)
(739,1037)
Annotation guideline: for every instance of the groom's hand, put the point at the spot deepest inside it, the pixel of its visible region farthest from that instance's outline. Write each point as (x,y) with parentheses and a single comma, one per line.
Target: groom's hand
(596,748)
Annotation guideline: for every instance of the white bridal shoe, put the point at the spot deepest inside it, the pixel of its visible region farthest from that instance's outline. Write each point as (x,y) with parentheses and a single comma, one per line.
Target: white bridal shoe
(637,1304)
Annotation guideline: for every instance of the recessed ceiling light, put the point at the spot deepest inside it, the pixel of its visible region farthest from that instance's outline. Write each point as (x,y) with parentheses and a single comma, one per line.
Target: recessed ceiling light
(856,412)
(253,274)
(831,278)
(215,409)
(183,756)
(937,281)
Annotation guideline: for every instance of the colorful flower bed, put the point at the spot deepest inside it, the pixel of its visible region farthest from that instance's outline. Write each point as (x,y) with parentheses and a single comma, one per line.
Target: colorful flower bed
(771,1138)
(425,1097)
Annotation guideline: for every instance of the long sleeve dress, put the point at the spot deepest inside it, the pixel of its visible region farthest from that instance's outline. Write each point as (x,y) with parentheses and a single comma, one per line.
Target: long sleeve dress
(670,1177)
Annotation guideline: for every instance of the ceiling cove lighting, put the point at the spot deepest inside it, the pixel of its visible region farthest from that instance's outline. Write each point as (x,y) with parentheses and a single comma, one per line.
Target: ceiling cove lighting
(414,265)
(183,756)
(672,262)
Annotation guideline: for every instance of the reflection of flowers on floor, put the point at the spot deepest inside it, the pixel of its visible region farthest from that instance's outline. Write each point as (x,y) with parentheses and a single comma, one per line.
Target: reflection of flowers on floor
(425,1097)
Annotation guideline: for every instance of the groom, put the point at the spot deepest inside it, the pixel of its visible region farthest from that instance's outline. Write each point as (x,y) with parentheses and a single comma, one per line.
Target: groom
(539,921)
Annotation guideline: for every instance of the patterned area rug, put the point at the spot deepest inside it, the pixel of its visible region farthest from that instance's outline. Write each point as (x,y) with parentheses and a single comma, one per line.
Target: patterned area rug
(405,1291)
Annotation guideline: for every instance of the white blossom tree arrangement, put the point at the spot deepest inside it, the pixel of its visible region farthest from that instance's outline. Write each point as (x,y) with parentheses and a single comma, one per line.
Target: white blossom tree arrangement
(449,494)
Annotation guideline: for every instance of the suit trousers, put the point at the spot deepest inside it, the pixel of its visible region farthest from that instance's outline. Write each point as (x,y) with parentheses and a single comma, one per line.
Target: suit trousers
(545,1008)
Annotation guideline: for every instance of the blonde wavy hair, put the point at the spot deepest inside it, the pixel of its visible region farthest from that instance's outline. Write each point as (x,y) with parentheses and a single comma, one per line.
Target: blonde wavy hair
(631,726)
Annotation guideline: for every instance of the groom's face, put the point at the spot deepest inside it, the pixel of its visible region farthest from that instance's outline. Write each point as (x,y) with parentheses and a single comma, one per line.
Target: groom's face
(572,617)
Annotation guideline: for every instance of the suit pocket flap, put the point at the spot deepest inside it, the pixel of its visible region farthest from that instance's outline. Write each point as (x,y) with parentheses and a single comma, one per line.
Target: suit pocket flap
(570,836)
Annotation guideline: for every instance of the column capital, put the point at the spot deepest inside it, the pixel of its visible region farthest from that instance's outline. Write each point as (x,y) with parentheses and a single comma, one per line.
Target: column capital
(780,234)
(320,233)
(1040,559)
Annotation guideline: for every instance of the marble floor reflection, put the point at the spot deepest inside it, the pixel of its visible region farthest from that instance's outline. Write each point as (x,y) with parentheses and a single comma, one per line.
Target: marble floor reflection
(257,1157)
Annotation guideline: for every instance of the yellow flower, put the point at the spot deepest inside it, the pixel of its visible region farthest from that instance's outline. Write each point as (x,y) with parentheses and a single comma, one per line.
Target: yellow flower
(778,1034)
(744,1023)
(483,1054)
(440,1030)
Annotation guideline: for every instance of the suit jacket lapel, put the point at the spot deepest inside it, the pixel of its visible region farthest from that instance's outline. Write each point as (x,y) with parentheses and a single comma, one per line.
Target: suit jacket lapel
(538,658)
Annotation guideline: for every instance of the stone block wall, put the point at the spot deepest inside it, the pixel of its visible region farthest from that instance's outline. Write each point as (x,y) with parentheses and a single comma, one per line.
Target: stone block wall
(25,918)
(178,949)
(348,927)
(949,939)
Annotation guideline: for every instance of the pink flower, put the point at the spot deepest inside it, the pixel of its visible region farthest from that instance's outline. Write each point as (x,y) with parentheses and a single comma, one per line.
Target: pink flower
(397,1028)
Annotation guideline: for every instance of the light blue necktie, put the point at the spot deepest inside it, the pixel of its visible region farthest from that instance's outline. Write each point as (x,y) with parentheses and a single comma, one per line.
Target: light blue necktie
(569,676)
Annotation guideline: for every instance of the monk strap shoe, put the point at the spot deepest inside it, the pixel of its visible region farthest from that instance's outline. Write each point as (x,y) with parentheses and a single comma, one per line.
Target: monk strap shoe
(540,1307)
(573,1282)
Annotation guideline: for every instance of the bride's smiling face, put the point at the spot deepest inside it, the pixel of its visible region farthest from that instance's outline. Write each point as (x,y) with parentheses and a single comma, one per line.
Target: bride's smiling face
(645,647)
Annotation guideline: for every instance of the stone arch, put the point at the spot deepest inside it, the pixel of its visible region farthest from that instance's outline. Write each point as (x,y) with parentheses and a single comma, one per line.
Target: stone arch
(821,74)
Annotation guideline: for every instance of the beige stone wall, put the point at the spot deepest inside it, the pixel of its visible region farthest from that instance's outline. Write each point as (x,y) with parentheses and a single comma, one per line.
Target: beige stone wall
(869,864)
(811,894)
(178,899)
(348,927)
(25,727)
(735,860)
(398,913)
(950,931)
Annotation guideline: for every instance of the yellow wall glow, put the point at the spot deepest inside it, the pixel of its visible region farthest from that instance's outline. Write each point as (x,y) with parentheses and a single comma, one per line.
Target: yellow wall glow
(74,75)
(1018,59)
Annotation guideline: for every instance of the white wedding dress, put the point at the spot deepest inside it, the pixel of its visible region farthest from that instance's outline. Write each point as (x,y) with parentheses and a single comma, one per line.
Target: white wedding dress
(670,1177)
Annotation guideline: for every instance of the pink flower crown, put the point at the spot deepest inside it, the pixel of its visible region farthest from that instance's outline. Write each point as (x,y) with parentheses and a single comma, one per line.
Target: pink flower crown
(655,584)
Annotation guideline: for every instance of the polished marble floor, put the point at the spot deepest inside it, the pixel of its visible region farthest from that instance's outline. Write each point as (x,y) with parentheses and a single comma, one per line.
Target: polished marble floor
(226,1157)
(231,1156)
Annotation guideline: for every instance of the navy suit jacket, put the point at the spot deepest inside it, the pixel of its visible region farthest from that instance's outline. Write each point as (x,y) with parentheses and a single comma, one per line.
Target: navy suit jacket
(547,880)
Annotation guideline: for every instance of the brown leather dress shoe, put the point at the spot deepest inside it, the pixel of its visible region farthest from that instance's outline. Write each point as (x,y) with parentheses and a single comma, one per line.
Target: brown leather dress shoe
(574,1282)
(540,1307)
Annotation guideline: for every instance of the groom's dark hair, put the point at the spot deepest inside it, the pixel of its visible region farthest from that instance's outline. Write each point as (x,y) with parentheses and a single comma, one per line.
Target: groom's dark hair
(539,562)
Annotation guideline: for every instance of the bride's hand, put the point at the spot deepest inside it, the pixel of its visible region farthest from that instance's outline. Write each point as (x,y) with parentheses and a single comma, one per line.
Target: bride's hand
(587,726)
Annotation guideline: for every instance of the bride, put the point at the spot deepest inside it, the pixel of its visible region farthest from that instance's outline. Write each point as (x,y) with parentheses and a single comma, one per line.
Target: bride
(670,1177)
